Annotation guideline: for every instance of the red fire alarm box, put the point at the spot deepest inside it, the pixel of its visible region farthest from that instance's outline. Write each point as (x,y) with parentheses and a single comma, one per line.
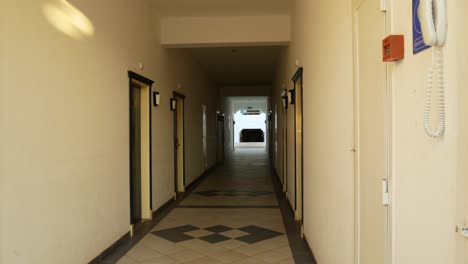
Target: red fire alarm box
(393,48)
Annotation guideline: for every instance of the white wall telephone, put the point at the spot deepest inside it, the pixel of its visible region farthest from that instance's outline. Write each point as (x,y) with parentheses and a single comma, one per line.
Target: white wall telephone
(433,18)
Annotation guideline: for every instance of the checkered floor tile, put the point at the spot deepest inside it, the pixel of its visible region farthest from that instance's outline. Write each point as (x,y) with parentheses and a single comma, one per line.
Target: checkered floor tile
(216,234)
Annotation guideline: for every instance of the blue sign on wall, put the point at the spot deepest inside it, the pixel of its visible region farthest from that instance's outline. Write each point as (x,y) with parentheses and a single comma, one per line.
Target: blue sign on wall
(418,42)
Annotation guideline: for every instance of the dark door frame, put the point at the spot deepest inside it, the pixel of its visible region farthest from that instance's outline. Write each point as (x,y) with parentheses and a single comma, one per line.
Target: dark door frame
(299,76)
(136,77)
(182,98)
(223,135)
(233,134)
(284,97)
(220,136)
(270,135)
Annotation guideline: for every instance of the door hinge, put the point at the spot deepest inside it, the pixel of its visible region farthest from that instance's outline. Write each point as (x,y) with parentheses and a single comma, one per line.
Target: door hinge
(383,5)
(385,193)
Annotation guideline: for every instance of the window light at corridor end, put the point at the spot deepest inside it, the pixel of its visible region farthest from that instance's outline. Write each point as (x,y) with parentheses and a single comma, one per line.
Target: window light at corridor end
(250,111)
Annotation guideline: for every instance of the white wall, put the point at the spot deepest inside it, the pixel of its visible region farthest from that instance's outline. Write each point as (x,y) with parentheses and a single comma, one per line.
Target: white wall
(64,127)
(211,31)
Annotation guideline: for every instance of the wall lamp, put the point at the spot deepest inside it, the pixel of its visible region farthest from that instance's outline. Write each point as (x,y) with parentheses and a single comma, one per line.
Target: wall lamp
(292,97)
(156,98)
(219,116)
(173,104)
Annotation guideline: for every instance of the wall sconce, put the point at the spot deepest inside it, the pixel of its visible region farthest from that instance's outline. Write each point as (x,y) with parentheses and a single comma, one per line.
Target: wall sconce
(173,104)
(292,96)
(156,98)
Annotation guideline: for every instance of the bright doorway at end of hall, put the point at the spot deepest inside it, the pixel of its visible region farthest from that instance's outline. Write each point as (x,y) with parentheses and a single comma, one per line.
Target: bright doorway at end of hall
(250,128)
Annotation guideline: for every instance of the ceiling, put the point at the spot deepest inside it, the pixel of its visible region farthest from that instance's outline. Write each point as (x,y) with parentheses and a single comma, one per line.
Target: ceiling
(245,66)
(222,7)
(239,65)
(249,99)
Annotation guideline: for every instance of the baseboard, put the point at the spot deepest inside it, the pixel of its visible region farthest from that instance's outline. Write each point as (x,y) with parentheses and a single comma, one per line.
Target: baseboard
(299,246)
(202,176)
(277,179)
(307,243)
(109,250)
(291,210)
(163,207)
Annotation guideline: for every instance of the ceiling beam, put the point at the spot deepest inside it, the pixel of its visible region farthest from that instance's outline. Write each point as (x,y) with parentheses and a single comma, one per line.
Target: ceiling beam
(182,32)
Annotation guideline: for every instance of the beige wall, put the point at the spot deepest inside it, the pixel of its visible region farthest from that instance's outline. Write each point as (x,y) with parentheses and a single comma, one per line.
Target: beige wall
(462,174)
(424,169)
(64,131)
(177,67)
(321,41)
(211,31)
(64,126)
(281,82)
(3,79)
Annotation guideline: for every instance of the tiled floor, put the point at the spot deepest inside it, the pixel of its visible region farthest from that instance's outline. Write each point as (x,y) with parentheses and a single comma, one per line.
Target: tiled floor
(244,180)
(233,216)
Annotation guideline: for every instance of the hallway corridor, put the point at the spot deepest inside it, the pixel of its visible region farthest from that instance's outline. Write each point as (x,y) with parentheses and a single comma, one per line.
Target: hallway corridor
(233,131)
(233,216)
